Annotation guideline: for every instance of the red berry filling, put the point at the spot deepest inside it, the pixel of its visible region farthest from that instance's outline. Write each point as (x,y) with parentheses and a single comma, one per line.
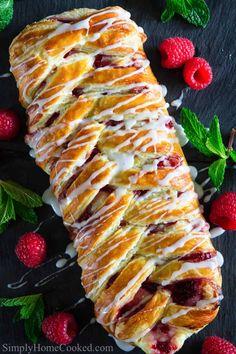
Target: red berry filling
(101,60)
(53,117)
(138,89)
(153,229)
(172,161)
(113,123)
(136,304)
(186,292)
(71,52)
(140,192)
(164,334)
(198,256)
(169,124)
(77,91)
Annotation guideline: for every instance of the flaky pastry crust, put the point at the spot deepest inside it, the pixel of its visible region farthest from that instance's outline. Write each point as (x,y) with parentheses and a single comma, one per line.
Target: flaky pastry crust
(99,126)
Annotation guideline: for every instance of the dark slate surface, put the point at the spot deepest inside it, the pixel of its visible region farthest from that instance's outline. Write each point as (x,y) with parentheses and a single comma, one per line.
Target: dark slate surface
(217,44)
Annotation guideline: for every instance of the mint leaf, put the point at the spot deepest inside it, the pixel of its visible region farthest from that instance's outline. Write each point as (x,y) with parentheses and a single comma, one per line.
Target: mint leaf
(3,227)
(21,194)
(195,131)
(232,154)
(214,141)
(6,13)
(19,301)
(7,211)
(26,214)
(1,196)
(31,311)
(34,323)
(198,12)
(216,172)
(166,15)
(195,12)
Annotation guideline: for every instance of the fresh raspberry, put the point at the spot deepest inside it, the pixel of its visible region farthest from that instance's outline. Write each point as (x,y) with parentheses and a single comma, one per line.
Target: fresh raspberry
(216,345)
(31,249)
(197,73)
(9,124)
(175,52)
(223,211)
(60,328)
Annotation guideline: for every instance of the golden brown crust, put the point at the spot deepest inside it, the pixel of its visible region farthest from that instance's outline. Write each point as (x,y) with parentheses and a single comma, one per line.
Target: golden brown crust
(99,126)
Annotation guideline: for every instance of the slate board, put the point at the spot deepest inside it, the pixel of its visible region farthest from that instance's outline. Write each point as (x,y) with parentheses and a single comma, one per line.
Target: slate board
(217,44)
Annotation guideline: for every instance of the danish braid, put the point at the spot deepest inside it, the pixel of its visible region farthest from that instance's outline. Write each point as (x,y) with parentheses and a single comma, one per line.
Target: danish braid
(99,126)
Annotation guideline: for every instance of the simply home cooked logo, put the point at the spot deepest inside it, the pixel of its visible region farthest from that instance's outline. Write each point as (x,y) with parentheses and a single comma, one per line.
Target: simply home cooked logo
(38,348)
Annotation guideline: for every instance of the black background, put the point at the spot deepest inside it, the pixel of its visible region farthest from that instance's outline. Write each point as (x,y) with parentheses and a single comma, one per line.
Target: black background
(217,44)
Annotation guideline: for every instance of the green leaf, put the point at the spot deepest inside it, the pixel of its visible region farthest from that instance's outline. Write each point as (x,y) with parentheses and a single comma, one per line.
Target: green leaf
(3,227)
(21,194)
(19,301)
(195,12)
(166,15)
(6,13)
(26,214)
(232,154)
(216,172)
(195,131)
(31,311)
(1,196)
(7,211)
(34,323)
(198,12)
(214,141)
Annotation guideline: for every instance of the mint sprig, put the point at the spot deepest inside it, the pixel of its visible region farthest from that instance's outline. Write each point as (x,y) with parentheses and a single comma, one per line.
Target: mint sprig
(195,12)
(31,310)
(17,200)
(210,143)
(6,13)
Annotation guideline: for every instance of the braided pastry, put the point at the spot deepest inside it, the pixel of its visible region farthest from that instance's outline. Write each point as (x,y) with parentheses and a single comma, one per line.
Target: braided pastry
(99,126)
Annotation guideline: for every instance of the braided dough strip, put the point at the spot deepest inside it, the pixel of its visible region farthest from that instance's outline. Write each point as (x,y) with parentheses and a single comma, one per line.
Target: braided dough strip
(99,126)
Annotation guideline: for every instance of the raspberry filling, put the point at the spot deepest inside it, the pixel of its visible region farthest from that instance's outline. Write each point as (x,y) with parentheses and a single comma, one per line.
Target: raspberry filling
(113,123)
(101,60)
(138,89)
(139,193)
(164,334)
(198,256)
(77,91)
(186,292)
(152,228)
(164,347)
(136,304)
(94,152)
(71,52)
(64,19)
(172,161)
(169,124)
(53,117)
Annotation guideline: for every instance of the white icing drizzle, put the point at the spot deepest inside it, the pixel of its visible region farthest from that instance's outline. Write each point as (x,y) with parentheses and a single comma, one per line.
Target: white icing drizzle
(183,140)
(5,75)
(178,101)
(216,231)
(91,322)
(50,199)
(122,344)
